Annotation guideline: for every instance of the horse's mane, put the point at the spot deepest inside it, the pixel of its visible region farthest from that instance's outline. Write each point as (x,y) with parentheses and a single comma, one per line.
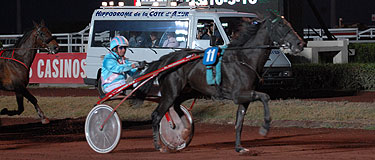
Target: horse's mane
(8,50)
(246,30)
(22,39)
(163,61)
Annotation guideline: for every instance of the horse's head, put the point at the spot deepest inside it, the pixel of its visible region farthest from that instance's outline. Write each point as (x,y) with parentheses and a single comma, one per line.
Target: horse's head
(282,33)
(45,39)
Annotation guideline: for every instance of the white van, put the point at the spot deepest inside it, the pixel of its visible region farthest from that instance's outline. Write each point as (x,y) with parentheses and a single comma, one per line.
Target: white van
(189,25)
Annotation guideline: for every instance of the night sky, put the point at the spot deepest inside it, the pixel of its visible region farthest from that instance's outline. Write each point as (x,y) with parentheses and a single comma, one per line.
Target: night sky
(63,16)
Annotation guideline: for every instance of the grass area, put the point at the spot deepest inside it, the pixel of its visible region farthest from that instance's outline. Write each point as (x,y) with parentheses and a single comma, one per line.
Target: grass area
(297,113)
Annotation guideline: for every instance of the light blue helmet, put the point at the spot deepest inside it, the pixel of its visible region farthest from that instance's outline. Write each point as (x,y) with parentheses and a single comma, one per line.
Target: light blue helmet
(118,41)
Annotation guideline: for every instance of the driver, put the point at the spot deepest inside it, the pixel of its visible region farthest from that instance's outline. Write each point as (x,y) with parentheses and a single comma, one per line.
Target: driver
(115,65)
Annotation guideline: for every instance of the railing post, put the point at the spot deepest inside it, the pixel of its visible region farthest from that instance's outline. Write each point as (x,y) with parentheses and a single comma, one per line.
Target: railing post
(357,35)
(371,33)
(69,43)
(81,48)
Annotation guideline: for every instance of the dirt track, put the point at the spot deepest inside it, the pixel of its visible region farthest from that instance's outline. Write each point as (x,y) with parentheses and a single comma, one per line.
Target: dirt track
(64,139)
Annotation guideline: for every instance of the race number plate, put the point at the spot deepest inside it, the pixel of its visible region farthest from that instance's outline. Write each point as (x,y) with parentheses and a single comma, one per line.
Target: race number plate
(210,56)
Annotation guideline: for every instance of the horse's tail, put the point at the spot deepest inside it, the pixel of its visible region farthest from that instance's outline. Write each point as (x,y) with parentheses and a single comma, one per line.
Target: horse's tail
(142,92)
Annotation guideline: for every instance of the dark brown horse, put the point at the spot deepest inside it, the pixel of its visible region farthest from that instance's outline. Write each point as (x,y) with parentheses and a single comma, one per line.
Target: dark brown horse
(15,66)
(242,63)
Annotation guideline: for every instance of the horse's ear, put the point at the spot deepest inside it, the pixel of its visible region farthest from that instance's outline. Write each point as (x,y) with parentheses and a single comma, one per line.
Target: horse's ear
(42,23)
(272,15)
(259,15)
(36,25)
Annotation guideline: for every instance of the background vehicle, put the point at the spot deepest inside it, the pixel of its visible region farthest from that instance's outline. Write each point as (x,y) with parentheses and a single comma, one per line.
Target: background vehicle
(186,24)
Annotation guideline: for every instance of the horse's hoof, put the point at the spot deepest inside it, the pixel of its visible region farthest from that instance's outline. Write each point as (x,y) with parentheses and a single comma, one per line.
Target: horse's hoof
(157,147)
(263,131)
(45,121)
(242,150)
(163,150)
(247,152)
(4,111)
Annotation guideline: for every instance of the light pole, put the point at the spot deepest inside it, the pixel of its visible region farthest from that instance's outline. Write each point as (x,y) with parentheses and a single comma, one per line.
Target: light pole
(333,14)
(19,22)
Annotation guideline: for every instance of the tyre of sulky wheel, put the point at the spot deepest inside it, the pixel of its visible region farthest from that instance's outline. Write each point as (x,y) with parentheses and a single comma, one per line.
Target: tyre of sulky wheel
(177,137)
(100,88)
(102,140)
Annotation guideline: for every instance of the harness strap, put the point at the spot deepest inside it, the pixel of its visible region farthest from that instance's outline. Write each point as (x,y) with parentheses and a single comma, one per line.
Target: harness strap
(13,59)
(16,61)
(210,69)
(218,66)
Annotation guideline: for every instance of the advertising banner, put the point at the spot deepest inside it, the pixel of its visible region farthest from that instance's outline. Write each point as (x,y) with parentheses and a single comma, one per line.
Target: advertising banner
(58,68)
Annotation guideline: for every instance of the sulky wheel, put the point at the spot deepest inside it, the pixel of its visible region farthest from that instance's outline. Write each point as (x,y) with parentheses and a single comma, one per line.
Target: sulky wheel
(179,135)
(106,139)
(100,88)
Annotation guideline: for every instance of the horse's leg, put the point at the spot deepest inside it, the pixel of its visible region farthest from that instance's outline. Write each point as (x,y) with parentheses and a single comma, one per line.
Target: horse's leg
(156,117)
(19,98)
(177,107)
(167,100)
(34,101)
(241,112)
(264,98)
(244,100)
(155,128)
(184,119)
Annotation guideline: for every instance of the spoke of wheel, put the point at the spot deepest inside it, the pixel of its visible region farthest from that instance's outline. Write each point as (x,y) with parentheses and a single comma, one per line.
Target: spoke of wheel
(106,139)
(122,101)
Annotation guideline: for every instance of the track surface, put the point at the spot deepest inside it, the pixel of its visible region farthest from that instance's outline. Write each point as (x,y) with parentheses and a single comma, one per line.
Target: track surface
(64,139)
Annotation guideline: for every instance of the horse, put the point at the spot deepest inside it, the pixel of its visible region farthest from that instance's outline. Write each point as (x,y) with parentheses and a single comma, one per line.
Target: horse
(15,66)
(242,63)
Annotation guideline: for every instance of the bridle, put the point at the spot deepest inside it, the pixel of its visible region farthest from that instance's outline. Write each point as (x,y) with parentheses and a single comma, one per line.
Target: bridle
(39,36)
(275,36)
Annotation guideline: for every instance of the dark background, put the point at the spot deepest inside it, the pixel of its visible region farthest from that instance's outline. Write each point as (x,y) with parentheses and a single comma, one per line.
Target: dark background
(63,16)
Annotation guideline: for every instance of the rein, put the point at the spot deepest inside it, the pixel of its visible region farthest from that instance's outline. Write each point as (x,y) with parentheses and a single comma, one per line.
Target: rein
(261,78)
(12,49)
(251,47)
(254,47)
(39,35)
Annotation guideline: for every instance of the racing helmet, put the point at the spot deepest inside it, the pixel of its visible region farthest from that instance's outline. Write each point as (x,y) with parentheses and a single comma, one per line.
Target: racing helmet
(118,41)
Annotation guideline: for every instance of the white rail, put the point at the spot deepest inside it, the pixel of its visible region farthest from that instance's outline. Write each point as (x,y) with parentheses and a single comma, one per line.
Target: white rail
(353,34)
(369,33)
(339,33)
(69,42)
(77,42)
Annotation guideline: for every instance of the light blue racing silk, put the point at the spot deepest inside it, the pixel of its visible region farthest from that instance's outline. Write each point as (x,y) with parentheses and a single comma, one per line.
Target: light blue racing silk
(114,71)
